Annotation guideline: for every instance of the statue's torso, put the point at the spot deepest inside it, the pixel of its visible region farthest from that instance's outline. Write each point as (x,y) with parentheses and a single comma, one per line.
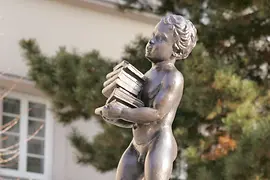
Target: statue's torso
(144,133)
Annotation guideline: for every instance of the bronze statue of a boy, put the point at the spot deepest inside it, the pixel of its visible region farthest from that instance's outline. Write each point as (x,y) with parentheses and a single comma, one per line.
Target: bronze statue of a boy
(151,153)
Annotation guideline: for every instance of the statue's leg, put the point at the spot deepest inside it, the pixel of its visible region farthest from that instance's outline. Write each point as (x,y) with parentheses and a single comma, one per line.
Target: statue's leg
(129,168)
(160,157)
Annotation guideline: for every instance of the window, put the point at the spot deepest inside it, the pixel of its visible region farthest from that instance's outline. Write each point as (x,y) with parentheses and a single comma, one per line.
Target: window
(28,142)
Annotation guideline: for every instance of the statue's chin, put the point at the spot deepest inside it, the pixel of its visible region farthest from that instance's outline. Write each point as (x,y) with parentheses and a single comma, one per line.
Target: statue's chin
(148,57)
(153,60)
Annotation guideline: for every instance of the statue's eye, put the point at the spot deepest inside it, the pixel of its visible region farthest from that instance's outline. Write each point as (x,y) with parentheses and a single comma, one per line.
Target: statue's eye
(159,38)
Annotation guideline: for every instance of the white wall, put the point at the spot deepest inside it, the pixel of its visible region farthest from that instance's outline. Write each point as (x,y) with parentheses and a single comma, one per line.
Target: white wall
(54,24)
(65,167)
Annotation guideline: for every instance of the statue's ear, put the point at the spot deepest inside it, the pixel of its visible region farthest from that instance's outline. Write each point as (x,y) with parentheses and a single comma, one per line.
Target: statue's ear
(177,51)
(171,27)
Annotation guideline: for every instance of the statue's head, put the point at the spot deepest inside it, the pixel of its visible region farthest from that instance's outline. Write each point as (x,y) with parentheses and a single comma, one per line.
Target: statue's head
(174,37)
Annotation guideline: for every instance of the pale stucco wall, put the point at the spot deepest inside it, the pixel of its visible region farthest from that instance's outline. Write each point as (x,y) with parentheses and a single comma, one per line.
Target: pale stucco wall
(54,24)
(64,166)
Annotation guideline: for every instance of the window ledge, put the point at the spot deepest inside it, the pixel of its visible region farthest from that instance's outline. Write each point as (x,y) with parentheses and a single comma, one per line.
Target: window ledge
(23,84)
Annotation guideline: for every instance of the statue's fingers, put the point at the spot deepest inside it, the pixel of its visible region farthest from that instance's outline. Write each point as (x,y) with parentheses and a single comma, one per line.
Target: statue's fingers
(98,111)
(109,81)
(113,73)
(106,91)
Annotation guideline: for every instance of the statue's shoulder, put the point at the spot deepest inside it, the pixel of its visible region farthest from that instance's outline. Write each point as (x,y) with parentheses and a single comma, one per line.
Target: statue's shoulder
(173,73)
(174,78)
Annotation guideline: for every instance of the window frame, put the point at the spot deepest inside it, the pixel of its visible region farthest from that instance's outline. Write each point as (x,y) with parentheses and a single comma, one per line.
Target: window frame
(21,172)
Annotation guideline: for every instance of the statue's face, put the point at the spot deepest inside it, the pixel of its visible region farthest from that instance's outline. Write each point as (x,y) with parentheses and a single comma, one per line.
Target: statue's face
(160,46)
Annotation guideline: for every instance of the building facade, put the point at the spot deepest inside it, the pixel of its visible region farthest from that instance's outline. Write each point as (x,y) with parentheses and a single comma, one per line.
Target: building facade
(80,24)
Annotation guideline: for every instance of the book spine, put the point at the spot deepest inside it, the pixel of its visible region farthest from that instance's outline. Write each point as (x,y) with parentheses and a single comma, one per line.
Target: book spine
(135,91)
(135,71)
(121,64)
(129,82)
(139,83)
(130,97)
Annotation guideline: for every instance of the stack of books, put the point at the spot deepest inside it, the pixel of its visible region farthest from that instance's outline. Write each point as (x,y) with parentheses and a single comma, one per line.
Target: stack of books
(122,86)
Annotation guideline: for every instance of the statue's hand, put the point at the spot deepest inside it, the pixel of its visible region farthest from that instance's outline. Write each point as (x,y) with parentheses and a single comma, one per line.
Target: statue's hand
(112,111)
(98,111)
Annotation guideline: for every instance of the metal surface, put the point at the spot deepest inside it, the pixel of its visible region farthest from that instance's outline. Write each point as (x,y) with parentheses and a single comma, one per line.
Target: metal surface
(153,149)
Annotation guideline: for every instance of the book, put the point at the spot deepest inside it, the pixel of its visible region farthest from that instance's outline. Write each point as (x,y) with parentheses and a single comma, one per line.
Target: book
(125,98)
(133,89)
(121,64)
(126,77)
(128,68)
(122,87)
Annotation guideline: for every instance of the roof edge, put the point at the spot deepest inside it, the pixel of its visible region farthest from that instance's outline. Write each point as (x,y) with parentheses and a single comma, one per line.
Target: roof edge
(111,8)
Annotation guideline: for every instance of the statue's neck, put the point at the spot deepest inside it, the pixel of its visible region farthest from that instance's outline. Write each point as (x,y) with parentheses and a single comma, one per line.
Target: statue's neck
(163,63)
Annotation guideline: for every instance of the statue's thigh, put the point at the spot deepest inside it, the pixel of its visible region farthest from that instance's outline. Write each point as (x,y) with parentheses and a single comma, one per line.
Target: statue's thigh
(159,160)
(128,167)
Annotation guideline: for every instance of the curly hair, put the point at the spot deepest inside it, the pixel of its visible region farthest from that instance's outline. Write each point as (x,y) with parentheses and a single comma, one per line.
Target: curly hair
(185,34)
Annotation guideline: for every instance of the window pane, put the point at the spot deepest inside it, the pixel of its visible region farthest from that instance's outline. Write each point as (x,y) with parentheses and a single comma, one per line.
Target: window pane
(36,146)
(35,165)
(11,106)
(33,126)
(15,128)
(10,157)
(37,110)
(8,140)
(12,161)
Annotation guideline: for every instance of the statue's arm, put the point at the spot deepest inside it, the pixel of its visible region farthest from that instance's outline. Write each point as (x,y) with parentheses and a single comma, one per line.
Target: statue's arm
(169,96)
(119,123)
(116,122)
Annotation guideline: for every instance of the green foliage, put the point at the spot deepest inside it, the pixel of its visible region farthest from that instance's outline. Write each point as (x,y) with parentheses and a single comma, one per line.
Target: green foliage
(252,158)
(250,161)
(135,54)
(105,150)
(72,81)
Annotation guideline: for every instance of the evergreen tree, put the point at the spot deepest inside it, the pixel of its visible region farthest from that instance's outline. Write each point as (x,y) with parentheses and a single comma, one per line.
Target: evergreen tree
(222,124)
